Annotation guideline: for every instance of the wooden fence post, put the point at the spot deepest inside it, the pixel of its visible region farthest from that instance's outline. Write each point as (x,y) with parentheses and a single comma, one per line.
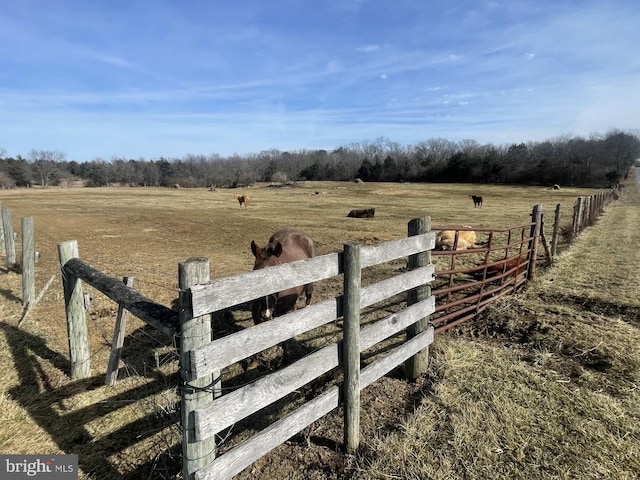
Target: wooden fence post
(2,249)
(194,333)
(536,218)
(556,231)
(76,320)
(600,203)
(28,262)
(586,213)
(575,226)
(118,340)
(9,244)
(351,346)
(418,364)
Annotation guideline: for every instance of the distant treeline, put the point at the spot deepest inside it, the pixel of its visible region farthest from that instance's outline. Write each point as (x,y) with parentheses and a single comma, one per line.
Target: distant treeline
(597,161)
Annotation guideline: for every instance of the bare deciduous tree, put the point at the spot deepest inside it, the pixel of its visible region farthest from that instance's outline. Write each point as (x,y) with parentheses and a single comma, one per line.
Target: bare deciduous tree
(45,163)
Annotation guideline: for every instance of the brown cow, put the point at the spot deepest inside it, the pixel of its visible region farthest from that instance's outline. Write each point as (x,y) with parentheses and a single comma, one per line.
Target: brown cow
(502,266)
(287,245)
(243,200)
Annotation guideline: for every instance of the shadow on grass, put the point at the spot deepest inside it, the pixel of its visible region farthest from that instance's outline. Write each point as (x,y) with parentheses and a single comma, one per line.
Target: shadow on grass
(631,313)
(8,294)
(49,407)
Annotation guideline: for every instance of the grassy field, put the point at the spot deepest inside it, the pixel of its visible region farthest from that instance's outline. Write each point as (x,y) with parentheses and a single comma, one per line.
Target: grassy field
(542,386)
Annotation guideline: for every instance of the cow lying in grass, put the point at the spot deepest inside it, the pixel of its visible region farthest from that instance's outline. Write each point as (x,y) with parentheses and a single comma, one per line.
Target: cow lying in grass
(445,240)
(362,213)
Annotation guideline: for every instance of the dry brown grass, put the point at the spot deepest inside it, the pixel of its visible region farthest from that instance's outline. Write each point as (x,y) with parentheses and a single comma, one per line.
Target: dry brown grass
(454,423)
(544,384)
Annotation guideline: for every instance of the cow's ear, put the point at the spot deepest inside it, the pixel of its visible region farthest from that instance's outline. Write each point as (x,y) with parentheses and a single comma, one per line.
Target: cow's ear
(255,249)
(277,249)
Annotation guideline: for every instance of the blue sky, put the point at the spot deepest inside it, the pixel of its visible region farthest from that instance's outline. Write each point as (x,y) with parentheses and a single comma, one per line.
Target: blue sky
(98,79)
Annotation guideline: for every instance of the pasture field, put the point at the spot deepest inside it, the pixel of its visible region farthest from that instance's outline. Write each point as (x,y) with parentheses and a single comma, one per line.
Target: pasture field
(539,387)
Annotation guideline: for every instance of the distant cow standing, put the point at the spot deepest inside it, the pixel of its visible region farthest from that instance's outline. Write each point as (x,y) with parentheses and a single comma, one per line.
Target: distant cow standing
(243,200)
(477,200)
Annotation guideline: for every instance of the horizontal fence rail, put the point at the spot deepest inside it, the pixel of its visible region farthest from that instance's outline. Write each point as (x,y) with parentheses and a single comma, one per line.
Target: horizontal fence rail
(158,316)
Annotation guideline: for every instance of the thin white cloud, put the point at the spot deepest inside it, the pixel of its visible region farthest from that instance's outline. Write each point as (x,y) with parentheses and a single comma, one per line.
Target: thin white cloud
(368,48)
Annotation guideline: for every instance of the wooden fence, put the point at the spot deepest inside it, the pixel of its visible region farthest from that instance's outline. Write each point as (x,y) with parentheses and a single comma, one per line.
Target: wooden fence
(211,413)
(587,209)
(201,359)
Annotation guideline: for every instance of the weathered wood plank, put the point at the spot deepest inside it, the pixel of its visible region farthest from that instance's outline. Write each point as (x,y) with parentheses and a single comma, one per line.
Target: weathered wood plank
(387,251)
(226,292)
(395,323)
(393,286)
(233,348)
(235,406)
(397,356)
(118,340)
(156,315)
(237,459)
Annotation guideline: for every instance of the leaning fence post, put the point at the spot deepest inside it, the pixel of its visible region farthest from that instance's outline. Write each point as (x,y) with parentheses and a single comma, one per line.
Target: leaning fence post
(9,244)
(536,219)
(418,364)
(351,346)
(28,262)
(575,225)
(556,231)
(118,340)
(194,333)
(76,320)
